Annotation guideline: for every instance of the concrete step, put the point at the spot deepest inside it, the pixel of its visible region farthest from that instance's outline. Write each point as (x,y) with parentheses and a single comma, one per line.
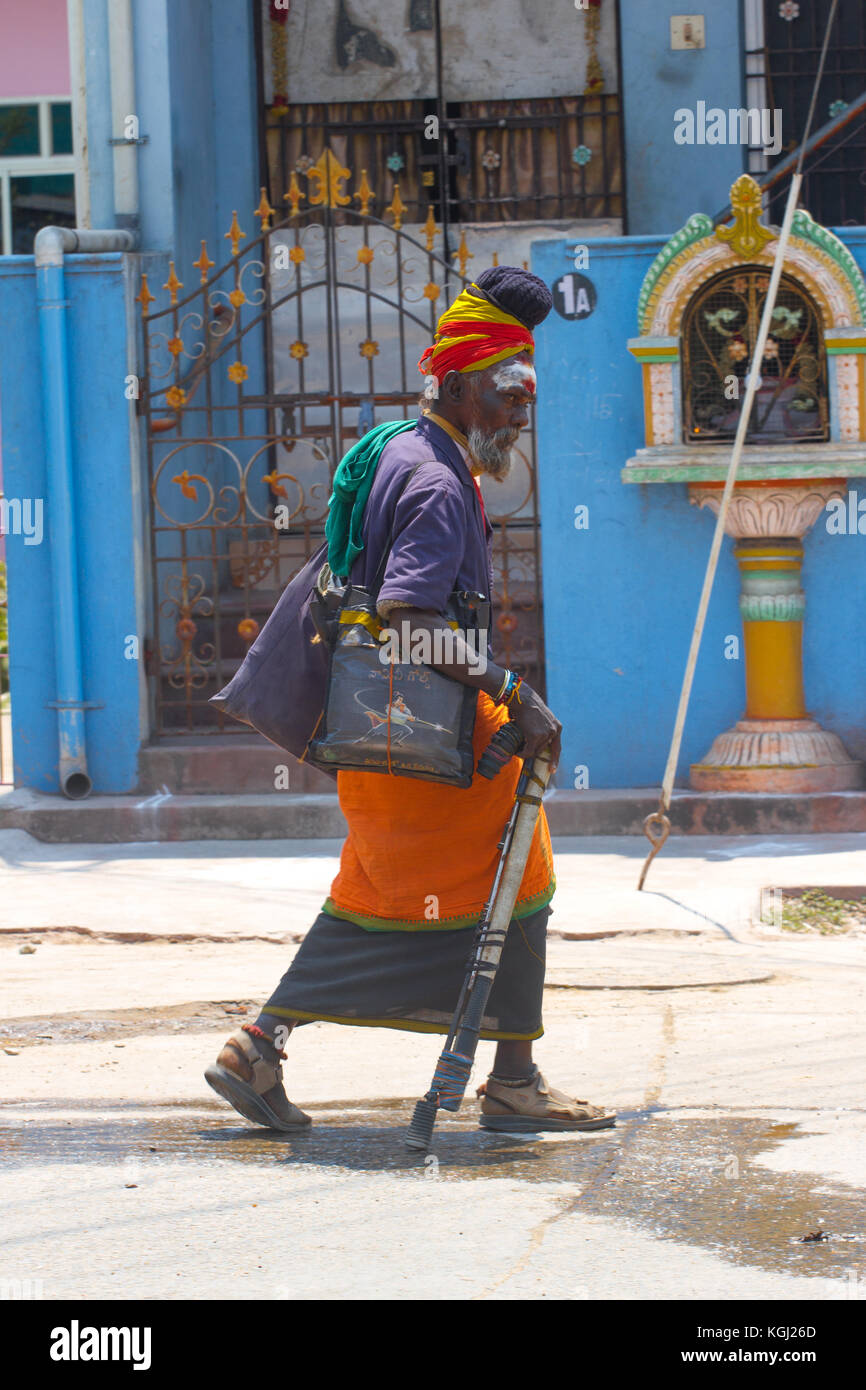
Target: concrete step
(622,810)
(225,764)
(162,816)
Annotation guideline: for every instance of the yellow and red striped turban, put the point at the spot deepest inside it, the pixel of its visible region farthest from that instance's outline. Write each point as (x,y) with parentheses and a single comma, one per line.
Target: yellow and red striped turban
(474,333)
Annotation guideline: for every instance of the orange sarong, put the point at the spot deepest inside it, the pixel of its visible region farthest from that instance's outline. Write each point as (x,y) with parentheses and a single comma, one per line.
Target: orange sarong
(420,856)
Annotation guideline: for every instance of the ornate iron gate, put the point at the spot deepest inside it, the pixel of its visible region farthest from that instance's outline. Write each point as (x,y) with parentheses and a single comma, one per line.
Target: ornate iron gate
(254,387)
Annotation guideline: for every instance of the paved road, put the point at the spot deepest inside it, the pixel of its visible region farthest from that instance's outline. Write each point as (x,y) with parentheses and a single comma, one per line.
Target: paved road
(741,1106)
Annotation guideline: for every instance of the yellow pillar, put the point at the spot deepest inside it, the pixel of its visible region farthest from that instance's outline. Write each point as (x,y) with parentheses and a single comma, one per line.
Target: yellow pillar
(772,605)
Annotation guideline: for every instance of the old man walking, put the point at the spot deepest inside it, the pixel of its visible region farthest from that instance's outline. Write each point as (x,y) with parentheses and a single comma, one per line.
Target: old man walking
(375,957)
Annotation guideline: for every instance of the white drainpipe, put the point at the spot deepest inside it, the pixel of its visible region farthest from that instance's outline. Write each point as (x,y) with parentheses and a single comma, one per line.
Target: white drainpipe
(78,90)
(121,53)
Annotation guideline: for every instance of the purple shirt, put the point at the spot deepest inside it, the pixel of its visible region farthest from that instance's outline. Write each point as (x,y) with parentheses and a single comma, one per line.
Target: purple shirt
(440,540)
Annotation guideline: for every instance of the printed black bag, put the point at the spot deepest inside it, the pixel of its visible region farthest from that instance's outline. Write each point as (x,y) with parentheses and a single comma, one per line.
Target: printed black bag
(394,716)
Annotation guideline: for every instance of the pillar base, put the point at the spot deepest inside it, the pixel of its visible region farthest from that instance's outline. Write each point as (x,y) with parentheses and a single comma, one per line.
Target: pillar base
(777,755)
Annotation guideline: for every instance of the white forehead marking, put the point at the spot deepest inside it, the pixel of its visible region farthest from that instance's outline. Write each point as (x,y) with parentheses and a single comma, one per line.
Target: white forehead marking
(515,374)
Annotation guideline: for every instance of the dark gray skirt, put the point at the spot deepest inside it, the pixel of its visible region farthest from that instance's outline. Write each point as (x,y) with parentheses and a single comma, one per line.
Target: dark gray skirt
(411,980)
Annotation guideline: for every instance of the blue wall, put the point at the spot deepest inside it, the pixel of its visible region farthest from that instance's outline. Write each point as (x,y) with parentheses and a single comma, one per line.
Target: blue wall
(666,182)
(106,522)
(197,105)
(620,598)
(214,127)
(196,102)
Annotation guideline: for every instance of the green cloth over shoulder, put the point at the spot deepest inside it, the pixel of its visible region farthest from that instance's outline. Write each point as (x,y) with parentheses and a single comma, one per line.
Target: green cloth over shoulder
(352,483)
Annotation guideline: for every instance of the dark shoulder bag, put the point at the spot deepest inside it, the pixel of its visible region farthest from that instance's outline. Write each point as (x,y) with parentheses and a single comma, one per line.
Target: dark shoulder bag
(279,689)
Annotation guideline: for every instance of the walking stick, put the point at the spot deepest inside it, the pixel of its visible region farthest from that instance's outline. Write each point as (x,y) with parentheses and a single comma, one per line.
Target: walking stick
(451,1076)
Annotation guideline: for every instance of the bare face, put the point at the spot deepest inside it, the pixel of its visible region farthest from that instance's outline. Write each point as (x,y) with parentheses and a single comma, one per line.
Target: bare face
(492,407)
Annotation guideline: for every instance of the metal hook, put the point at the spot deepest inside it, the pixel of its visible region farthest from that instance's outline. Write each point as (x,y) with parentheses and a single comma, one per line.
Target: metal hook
(659,818)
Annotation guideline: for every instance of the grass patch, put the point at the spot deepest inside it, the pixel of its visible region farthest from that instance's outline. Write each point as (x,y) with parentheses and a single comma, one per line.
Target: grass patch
(818,912)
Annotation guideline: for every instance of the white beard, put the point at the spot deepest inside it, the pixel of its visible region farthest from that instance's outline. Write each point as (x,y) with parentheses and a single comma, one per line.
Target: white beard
(492,451)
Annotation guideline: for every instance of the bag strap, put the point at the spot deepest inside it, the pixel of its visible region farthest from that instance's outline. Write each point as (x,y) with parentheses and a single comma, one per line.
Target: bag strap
(380,571)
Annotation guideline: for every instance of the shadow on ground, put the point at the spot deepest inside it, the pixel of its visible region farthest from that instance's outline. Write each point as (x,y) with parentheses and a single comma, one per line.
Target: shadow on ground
(692,1180)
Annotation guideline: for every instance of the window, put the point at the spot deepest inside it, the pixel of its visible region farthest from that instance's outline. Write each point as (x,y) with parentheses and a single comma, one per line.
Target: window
(37,183)
(19,131)
(720,327)
(783,49)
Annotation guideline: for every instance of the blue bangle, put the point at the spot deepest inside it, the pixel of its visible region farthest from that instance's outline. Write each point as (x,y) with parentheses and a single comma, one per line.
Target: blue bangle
(508,691)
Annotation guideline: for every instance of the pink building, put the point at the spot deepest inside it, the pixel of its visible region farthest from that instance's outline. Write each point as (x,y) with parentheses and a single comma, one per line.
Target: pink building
(36,162)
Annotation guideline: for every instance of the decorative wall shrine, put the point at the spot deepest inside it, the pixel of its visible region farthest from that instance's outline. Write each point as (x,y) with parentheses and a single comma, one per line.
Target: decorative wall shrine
(699,309)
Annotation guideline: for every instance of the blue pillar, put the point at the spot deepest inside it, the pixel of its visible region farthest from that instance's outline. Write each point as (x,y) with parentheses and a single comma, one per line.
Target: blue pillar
(667,182)
(66,624)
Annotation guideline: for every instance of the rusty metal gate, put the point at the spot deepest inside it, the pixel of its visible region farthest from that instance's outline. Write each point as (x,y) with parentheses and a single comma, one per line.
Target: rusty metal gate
(254,387)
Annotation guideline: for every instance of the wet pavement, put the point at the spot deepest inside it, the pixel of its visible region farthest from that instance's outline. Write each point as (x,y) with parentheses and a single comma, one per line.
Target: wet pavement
(691,1180)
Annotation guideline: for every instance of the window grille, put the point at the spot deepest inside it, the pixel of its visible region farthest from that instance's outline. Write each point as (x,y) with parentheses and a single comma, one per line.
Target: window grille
(720,328)
(526,160)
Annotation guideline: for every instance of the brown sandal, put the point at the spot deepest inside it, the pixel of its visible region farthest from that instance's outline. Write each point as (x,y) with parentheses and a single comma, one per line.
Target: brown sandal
(254,1086)
(535,1106)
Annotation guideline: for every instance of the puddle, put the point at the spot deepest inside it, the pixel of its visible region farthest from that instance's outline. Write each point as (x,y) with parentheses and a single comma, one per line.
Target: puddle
(690,1180)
